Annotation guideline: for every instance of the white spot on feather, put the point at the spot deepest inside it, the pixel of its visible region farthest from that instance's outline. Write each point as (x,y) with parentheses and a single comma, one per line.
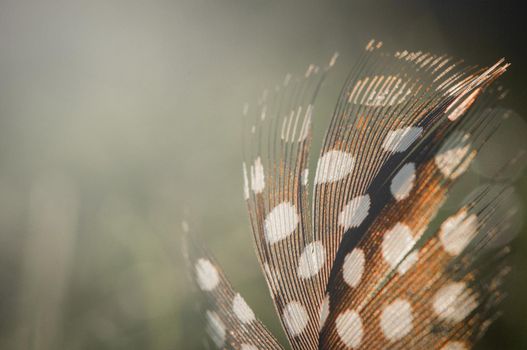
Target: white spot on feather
(403,182)
(454,157)
(334,166)
(324,312)
(242,310)
(396,244)
(454,302)
(457,231)
(400,139)
(216,328)
(281,222)
(396,320)
(349,328)
(353,267)
(306,124)
(257,176)
(333,59)
(207,275)
(245,182)
(354,213)
(295,318)
(311,260)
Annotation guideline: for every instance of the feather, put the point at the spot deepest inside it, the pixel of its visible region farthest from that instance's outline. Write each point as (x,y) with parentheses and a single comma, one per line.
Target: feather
(231,323)
(369,262)
(277,199)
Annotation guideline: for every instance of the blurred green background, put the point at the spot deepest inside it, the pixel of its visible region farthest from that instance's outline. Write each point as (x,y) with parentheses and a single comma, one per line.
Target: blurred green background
(120,118)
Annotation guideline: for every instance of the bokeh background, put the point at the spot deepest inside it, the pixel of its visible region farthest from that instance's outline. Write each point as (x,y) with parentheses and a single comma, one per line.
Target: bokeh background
(120,118)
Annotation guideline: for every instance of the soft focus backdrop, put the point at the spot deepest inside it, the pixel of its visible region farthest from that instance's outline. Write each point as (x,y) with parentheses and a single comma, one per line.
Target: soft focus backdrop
(120,118)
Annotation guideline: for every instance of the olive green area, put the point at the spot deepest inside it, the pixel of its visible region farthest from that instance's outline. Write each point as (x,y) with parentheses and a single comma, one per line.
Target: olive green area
(118,119)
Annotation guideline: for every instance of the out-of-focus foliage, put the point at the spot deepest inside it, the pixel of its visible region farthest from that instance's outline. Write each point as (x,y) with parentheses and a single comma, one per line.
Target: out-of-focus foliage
(118,119)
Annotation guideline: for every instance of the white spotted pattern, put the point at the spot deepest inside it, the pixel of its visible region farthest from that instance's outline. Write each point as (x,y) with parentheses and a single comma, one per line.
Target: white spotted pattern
(454,302)
(403,182)
(349,328)
(216,328)
(207,275)
(334,166)
(257,176)
(457,231)
(396,320)
(353,267)
(295,318)
(281,222)
(400,139)
(397,242)
(242,310)
(311,260)
(354,213)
